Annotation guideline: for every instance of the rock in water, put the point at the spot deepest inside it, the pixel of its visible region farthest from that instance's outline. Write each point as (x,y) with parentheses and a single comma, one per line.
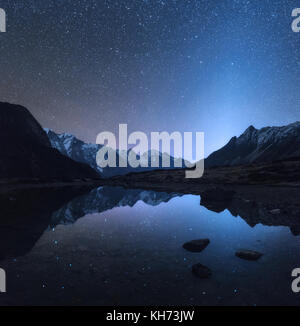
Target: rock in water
(248,254)
(196,245)
(201,271)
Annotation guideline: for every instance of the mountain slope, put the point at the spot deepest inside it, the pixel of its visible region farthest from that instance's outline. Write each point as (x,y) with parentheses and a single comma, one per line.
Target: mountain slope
(259,145)
(26,151)
(74,148)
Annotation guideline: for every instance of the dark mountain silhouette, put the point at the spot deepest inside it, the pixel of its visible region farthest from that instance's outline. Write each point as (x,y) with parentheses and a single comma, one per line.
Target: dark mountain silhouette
(259,146)
(26,151)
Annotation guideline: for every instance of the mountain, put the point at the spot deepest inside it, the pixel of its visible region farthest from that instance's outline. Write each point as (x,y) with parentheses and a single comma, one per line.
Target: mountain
(26,151)
(74,148)
(79,151)
(259,146)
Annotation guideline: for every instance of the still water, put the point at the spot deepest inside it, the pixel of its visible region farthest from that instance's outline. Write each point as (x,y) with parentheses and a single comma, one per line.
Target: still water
(124,247)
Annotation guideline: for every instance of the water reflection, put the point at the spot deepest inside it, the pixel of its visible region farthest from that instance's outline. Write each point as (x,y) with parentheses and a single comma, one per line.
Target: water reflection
(255,211)
(128,248)
(26,214)
(105,198)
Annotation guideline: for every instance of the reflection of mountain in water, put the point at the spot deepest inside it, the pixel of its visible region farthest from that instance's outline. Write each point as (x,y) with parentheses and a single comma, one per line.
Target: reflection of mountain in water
(105,198)
(26,214)
(257,210)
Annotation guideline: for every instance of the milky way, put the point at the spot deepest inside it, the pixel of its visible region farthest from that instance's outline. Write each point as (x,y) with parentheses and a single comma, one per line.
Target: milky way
(213,66)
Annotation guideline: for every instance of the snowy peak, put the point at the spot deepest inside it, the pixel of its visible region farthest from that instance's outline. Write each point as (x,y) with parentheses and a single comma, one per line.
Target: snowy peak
(79,151)
(75,148)
(249,131)
(259,145)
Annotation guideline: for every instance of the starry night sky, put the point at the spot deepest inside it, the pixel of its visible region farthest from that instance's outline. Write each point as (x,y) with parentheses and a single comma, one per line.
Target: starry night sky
(189,65)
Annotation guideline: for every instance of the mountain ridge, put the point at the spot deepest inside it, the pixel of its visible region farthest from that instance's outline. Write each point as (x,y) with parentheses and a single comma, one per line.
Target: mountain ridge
(76,149)
(258,146)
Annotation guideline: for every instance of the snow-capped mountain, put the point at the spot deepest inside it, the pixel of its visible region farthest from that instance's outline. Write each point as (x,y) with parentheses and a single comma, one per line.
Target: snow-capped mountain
(74,148)
(258,146)
(79,151)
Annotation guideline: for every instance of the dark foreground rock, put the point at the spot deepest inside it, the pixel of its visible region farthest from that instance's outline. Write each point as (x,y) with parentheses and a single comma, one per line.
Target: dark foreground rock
(201,271)
(248,254)
(196,245)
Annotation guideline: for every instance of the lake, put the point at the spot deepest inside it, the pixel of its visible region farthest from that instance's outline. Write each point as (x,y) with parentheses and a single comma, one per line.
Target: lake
(113,246)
